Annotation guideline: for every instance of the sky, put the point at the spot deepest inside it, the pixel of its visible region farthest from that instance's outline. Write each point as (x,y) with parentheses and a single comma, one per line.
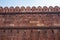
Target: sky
(30,3)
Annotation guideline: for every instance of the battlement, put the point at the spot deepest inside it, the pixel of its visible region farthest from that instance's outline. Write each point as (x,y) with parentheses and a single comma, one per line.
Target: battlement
(29,9)
(30,23)
(30,16)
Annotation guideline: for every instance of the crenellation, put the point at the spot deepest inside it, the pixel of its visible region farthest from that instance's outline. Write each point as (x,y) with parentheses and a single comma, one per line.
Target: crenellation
(22,9)
(30,23)
(11,9)
(17,9)
(39,9)
(30,9)
(51,9)
(34,9)
(30,19)
(45,9)
(56,9)
(5,10)
(1,9)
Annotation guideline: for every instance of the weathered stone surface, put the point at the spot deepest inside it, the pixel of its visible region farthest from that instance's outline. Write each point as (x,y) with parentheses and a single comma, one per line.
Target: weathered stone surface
(20,20)
(30,20)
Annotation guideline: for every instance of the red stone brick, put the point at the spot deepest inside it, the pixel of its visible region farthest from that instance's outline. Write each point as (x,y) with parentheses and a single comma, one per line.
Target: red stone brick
(50,34)
(56,33)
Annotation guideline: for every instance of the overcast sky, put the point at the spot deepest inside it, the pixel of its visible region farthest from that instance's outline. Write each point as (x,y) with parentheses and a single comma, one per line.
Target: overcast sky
(29,3)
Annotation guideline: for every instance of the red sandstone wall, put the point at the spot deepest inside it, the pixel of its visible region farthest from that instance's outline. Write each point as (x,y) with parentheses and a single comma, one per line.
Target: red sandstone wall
(30,34)
(30,19)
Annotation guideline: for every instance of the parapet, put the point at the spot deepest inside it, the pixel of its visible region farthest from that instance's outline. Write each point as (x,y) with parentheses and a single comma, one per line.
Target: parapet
(30,9)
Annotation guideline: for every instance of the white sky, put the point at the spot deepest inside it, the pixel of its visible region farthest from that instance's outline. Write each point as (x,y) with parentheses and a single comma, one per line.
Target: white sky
(29,3)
